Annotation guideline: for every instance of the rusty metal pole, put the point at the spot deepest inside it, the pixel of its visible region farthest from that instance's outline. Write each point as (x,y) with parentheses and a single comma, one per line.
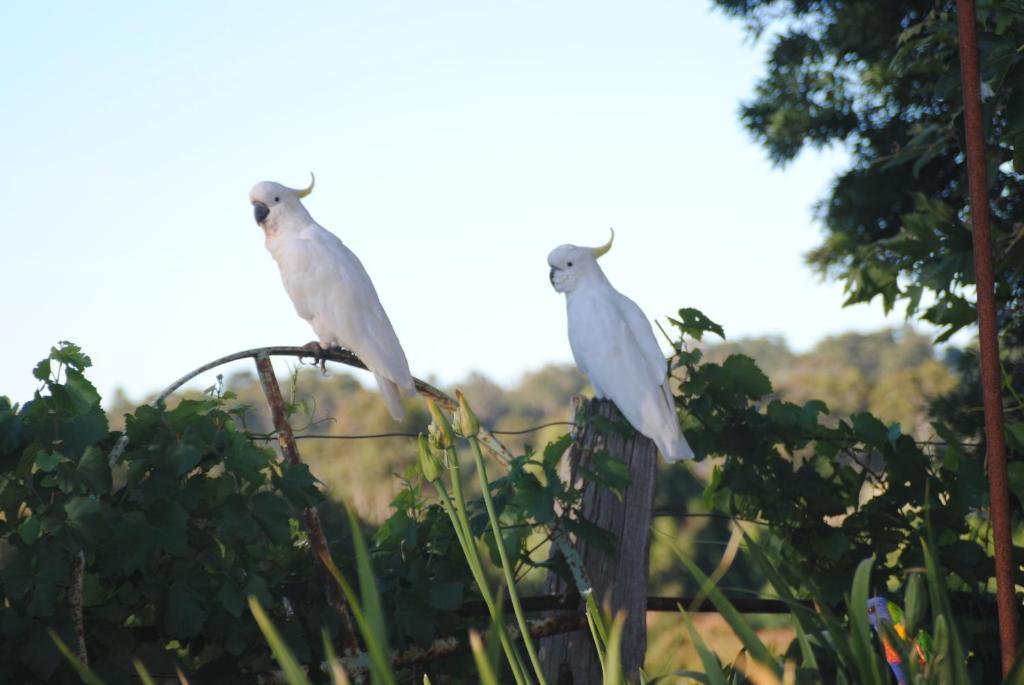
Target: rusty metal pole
(991,375)
(317,539)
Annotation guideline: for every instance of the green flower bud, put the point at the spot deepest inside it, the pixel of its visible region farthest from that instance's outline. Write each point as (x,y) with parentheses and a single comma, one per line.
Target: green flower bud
(941,640)
(469,424)
(916,604)
(445,433)
(430,465)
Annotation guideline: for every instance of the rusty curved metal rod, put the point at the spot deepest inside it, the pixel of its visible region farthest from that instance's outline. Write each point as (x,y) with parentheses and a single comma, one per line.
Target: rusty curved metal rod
(341,356)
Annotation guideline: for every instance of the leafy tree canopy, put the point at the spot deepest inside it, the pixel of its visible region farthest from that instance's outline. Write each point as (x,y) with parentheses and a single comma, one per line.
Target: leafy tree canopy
(883,78)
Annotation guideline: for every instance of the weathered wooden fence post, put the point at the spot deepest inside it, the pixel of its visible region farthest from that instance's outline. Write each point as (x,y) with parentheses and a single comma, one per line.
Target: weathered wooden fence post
(620,580)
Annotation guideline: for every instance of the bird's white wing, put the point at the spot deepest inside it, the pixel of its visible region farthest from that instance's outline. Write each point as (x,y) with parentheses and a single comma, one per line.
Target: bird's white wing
(660,410)
(612,339)
(640,328)
(331,289)
(606,349)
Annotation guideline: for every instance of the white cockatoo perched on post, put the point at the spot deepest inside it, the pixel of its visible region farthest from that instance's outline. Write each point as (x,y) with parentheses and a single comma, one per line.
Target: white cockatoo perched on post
(614,345)
(330,289)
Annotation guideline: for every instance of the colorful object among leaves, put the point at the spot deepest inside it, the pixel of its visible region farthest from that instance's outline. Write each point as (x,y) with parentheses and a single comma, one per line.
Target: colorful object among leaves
(881,609)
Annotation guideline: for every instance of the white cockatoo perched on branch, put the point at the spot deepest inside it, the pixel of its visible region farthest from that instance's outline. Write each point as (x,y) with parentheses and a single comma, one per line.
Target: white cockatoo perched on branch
(614,345)
(330,289)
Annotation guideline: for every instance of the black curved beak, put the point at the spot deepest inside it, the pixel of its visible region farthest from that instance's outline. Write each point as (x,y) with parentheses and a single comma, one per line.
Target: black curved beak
(551,276)
(260,211)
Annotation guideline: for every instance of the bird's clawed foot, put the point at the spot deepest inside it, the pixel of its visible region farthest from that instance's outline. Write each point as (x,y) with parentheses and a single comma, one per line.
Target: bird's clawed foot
(318,353)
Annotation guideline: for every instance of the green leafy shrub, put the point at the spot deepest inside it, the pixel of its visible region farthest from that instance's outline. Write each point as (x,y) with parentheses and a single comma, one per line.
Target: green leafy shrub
(834,492)
(175,521)
(175,529)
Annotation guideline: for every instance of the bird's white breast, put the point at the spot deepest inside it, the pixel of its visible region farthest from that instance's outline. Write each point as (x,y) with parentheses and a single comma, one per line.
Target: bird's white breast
(594,326)
(295,262)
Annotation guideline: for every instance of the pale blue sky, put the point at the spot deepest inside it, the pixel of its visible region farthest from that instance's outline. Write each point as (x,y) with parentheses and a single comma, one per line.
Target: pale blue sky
(455,144)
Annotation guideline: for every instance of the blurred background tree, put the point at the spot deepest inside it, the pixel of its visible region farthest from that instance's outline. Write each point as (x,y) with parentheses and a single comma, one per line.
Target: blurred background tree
(882,79)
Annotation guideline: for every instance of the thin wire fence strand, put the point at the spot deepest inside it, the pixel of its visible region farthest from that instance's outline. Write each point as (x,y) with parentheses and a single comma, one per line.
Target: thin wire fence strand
(523,431)
(349,359)
(374,436)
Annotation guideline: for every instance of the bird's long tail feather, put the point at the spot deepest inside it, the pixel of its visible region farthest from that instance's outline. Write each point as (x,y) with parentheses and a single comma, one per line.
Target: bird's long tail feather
(673,447)
(675,450)
(392,396)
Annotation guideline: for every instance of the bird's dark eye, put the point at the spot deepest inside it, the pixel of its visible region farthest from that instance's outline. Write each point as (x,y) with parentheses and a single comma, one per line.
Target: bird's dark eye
(277,199)
(568,263)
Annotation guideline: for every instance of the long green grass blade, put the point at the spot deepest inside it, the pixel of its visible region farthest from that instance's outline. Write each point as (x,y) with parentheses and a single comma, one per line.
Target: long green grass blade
(84,672)
(492,643)
(725,561)
(867,663)
(713,673)
(458,498)
(483,664)
(740,626)
(285,659)
(380,664)
(806,651)
(595,619)
(369,597)
(506,565)
(613,674)
(839,636)
(460,521)
(598,630)
(805,619)
(449,508)
(956,657)
(143,673)
(334,668)
(472,555)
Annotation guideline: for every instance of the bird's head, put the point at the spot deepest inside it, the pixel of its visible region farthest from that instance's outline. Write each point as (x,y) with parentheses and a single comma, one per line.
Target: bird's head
(276,206)
(572,265)
(878,608)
